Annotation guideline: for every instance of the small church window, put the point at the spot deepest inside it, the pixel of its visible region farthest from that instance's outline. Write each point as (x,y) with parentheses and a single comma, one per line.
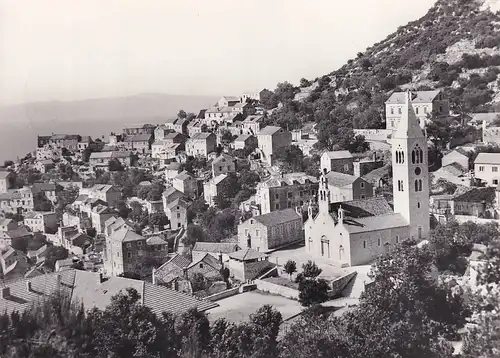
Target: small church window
(397,239)
(418,205)
(364,244)
(379,242)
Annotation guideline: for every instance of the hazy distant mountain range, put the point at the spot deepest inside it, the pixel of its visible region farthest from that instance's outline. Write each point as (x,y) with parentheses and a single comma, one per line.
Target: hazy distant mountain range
(23,122)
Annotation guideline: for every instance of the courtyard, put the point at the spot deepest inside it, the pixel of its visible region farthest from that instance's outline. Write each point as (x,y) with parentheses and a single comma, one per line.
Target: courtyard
(238,308)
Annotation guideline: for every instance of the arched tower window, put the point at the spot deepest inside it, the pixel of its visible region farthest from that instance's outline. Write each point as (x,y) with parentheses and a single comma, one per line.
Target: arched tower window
(400,156)
(417,155)
(418,185)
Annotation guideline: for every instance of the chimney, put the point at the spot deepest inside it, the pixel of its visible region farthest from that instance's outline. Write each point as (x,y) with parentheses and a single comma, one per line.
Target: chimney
(28,286)
(5,292)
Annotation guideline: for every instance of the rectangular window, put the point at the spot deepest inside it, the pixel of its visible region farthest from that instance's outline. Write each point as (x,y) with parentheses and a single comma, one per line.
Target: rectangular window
(289,195)
(257,233)
(129,254)
(379,242)
(495,181)
(416,110)
(362,185)
(129,245)
(481,168)
(246,232)
(276,196)
(178,215)
(139,243)
(277,206)
(364,244)
(397,239)
(399,110)
(494,169)
(392,110)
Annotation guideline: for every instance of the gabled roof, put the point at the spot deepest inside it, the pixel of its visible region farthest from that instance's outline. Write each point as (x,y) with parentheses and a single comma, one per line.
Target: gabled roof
(38,187)
(477,195)
(184,175)
(289,179)
(417,97)
(270,130)
(375,206)
(453,168)
(209,260)
(375,175)
(21,299)
(408,126)
(102,188)
(340,179)
(155,240)
(125,234)
(5,222)
(247,255)
(223,158)
(201,136)
(222,247)
(4,174)
(338,154)
(243,138)
(177,260)
(19,232)
(277,217)
(253,118)
(487,158)
(219,178)
(375,223)
(181,201)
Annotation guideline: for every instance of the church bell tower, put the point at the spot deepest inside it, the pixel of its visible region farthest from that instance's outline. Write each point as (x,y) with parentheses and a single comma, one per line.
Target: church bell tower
(410,172)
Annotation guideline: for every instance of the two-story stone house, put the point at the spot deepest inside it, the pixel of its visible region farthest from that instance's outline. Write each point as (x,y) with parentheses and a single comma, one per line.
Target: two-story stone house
(105,192)
(39,221)
(5,181)
(140,143)
(101,159)
(287,191)
(265,232)
(425,103)
(213,187)
(486,168)
(253,124)
(201,144)
(223,164)
(340,161)
(177,212)
(186,184)
(345,187)
(123,247)
(270,139)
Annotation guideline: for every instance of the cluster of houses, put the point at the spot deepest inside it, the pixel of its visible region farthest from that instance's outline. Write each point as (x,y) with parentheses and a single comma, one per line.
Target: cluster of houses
(339,215)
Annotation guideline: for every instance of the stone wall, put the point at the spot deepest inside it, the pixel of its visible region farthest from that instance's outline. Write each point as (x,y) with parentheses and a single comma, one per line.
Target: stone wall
(374,134)
(338,285)
(224,294)
(277,289)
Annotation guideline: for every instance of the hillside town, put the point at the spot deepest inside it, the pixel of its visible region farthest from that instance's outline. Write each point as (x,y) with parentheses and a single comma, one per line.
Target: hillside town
(218,211)
(353,215)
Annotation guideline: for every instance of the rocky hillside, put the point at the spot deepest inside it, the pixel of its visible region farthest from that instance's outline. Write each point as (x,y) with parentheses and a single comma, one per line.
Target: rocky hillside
(454,47)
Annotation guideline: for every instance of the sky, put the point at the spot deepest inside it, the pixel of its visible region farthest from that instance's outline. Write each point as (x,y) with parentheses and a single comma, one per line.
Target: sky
(77,49)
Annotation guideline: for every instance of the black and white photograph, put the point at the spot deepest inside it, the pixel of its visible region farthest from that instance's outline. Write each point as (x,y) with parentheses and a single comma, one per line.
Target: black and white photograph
(249,179)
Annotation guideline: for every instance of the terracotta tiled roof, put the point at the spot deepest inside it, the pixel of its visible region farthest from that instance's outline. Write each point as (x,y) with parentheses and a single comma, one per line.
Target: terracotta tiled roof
(270,130)
(417,97)
(277,217)
(487,158)
(364,207)
(338,154)
(375,223)
(42,286)
(221,247)
(247,254)
(340,179)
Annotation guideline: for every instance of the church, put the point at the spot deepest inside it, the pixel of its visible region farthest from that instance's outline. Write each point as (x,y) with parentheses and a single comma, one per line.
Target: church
(356,232)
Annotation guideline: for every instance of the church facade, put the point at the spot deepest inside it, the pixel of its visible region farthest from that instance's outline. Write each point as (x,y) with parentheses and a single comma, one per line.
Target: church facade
(357,232)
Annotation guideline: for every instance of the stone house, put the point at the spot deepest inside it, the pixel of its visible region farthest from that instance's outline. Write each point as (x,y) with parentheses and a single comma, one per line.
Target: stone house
(101,159)
(139,129)
(223,164)
(201,144)
(171,270)
(43,166)
(123,247)
(171,171)
(286,191)
(73,240)
(50,190)
(265,232)
(170,194)
(140,143)
(477,202)
(39,221)
(424,103)
(340,161)
(486,168)
(186,184)
(16,200)
(99,215)
(13,263)
(5,181)
(160,132)
(253,124)
(21,232)
(458,156)
(105,192)
(7,225)
(270,140)
(219,250)
(212,188)
(367,165)
(247,264)
(177,212)
(244,141)
(345,187)
(194,127)
(68,141)
(180,125)
(206,265)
